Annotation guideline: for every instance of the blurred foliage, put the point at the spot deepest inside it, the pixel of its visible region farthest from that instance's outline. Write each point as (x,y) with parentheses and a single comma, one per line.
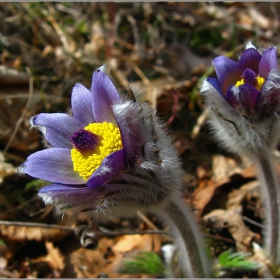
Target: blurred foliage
(229,260)
(143,263)
(36,184)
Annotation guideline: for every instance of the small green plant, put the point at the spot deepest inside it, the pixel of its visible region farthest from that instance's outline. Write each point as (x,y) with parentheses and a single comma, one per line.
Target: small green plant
(143,263)
(229,260)
(36,184)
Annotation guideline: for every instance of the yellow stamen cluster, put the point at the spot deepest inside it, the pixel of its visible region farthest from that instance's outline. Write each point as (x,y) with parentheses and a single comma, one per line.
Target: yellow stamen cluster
(258,86)
(111,142)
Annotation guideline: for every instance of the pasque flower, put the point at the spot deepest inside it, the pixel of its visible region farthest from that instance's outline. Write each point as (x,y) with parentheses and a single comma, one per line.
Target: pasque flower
(111,154)
(112,157)
(244,104)
(244,100)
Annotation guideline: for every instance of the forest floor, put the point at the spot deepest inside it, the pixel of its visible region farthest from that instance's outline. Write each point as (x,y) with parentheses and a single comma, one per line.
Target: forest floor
(164,50)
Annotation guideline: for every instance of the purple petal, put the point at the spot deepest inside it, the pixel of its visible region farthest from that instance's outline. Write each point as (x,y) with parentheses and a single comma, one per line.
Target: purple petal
(268,62)
(69,195)
(228,71)
(268,102)
(54,165)
(62,188)
(81,102)
(104,96)
(130,123)
(57,128)
(215,83)
(243,97)
(250,58)
(111,168)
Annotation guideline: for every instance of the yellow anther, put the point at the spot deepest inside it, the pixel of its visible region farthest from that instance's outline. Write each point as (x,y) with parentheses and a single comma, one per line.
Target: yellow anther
(111,142)
(258,86)
(239,83)
(260,81)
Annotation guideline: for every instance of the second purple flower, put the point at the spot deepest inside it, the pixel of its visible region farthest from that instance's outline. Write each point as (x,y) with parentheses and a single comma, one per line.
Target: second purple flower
(244,100)
(248,83)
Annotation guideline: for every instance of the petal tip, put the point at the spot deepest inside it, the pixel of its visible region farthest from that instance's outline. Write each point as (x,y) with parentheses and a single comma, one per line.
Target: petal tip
(33,124)
(31,121)
(102,68)
(249,45)
(20,169)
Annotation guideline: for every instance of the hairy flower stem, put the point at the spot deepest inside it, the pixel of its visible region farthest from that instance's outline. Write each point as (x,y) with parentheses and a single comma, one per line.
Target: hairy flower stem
(270,187)
(187,237)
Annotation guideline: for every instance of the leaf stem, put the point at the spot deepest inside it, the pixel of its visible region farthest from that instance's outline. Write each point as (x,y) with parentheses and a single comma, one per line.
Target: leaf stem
(187,237)
(270,187)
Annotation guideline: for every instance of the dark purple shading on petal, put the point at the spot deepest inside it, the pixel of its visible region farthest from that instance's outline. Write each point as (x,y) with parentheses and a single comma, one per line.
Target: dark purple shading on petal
(111,168)
(268,62)
(61,188)
(268,102)
(228,71)
(104,96)
(81,103)
(250,77)
(59,128)
(243,97)
(215,83)
(129,121)
(250,58)
(86,142)
(53,165)
(71,196)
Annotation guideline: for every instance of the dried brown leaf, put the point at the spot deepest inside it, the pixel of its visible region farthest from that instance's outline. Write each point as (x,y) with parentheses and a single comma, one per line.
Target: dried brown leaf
(109,255)
(223,169)
(21,233)
(246,192)
(203,194)
(87,264)
(54,257)
(232,220)
(5,168)
(137,242)
(12,76)
(259,19)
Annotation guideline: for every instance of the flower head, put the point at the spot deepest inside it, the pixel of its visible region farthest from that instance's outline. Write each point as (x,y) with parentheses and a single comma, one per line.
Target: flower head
(245,99)
(111,154)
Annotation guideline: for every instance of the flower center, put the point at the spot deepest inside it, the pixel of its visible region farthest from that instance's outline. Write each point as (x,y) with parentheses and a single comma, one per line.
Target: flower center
(250,77)
(92,144)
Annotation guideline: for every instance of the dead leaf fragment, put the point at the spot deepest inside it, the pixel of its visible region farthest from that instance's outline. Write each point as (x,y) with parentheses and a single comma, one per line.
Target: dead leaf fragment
(246,192)
(203,194)
(12,76)
(260,20)
(84,263)
(22,233)
(232,220)
(54,257)
(128,243)
(5,168)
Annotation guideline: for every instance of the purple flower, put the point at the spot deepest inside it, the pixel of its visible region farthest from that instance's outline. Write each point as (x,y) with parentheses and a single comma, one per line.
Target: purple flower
(244,100)
(248,83)
(110,154)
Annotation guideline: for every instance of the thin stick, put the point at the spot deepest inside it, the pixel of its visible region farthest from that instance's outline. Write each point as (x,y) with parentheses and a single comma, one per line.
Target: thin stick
(24,111)
(101,232)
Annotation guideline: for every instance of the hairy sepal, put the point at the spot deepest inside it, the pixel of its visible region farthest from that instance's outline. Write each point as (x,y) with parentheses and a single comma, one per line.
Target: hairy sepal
(237,132)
